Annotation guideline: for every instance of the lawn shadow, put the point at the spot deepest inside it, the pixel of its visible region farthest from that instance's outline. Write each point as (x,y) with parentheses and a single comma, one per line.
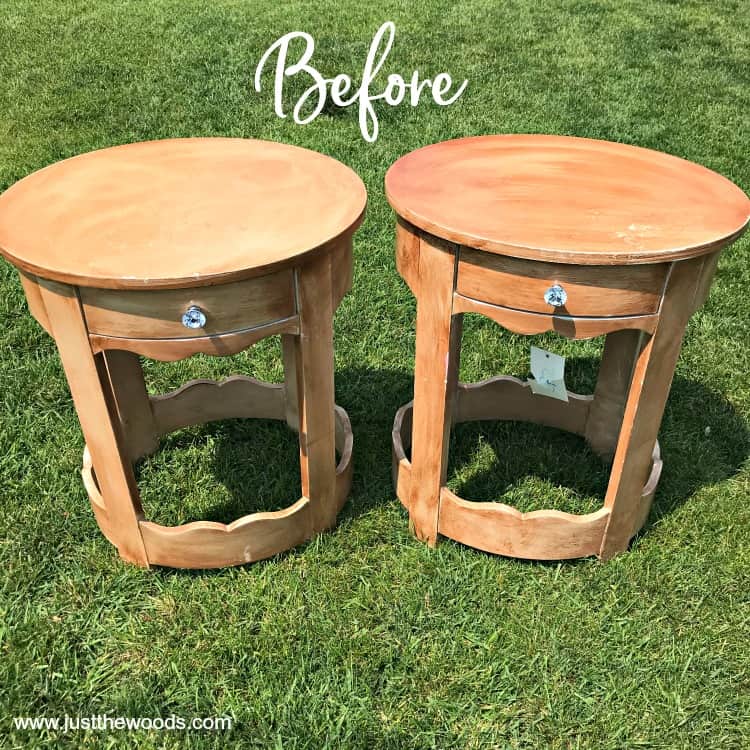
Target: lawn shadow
(253,464)
(703,441)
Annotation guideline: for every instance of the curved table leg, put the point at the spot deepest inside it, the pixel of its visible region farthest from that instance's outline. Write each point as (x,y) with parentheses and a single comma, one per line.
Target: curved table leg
(97,412)
(649,389)
(435,380)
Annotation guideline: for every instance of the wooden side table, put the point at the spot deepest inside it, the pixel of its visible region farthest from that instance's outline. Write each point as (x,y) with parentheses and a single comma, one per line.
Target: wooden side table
(171,248)
(543,233)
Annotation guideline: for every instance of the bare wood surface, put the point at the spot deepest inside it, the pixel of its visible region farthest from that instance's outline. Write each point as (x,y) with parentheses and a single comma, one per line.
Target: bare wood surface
(499,528)
(291,391)
(342,269)
(313,357)
(592,291)
(178,213)
(621,350)
(651,381)
(158,313)
(407,254)
(529,323)
(435,380)
(204,544)
(566,200)
(207,544)
(503,530)
(34,300)
(400,443)
(132,401)
(201,401)
(170,350)
(710,264)
(95,498)
(508,398)
(89,387)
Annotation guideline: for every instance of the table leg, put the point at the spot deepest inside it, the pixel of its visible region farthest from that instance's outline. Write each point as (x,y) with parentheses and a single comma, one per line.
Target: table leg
(621,350)
(291,394)
(312,357)
(649,389)
(435,382)
(92,395)
(132,401)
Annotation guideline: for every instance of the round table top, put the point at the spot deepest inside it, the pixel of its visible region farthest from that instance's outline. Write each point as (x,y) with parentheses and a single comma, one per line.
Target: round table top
(568,200)
(173,213)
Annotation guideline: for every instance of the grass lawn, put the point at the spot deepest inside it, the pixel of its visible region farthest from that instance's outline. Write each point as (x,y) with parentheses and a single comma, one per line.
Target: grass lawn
(364,638)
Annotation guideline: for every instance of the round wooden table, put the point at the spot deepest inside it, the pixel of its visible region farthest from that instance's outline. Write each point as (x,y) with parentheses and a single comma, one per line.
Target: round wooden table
(172,248)
(543,233)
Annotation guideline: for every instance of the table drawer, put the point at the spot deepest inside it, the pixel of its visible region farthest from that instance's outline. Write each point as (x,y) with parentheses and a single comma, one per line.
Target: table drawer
(157,314)
(595,291)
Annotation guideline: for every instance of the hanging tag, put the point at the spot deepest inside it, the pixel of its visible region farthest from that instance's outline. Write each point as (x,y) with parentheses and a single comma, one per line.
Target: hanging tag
(548,370)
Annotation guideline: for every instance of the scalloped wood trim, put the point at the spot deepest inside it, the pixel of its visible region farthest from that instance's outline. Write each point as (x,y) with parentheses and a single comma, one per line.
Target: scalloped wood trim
(499,528)
(507,398)
(527,323)
(205,544)
(503,530)
(208,544)
(171,350)
(200,401)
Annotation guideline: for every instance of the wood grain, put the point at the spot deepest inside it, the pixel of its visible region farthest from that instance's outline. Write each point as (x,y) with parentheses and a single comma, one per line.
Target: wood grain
(400,443)
(158,313)
(170,350)
(566,200)
(435,380)
(97,413)
(342,269)
(204,544)
(507,398)
(178,213)
(647,397)
(201,401)
(621,350)
(134,408)
(313,359)
(208,544)
(34,300)
(593,291)
(503,530)
(529,323)
(407,254)
(499,528)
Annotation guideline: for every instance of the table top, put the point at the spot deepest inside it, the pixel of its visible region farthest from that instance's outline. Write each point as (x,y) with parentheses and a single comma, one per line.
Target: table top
(174,213)
(567,200)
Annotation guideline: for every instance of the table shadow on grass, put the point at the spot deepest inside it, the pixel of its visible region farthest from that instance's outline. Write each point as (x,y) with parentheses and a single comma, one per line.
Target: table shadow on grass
(703,441)
(224,470)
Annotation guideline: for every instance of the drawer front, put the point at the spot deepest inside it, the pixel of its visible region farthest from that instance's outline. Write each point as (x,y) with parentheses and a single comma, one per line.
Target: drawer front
(590,291)
(157,314)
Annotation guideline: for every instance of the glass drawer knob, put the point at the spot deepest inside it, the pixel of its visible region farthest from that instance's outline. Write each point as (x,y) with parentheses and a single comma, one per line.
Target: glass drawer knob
(556,296)
(194,317)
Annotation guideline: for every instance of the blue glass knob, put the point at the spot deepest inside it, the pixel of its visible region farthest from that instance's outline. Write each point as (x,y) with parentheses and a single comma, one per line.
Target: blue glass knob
(556,296)
(194,317)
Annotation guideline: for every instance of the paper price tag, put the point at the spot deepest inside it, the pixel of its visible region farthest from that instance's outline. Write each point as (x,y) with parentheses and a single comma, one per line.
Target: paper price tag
(548,370)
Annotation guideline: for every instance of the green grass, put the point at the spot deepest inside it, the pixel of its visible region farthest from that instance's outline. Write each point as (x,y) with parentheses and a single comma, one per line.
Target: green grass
(364,638)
